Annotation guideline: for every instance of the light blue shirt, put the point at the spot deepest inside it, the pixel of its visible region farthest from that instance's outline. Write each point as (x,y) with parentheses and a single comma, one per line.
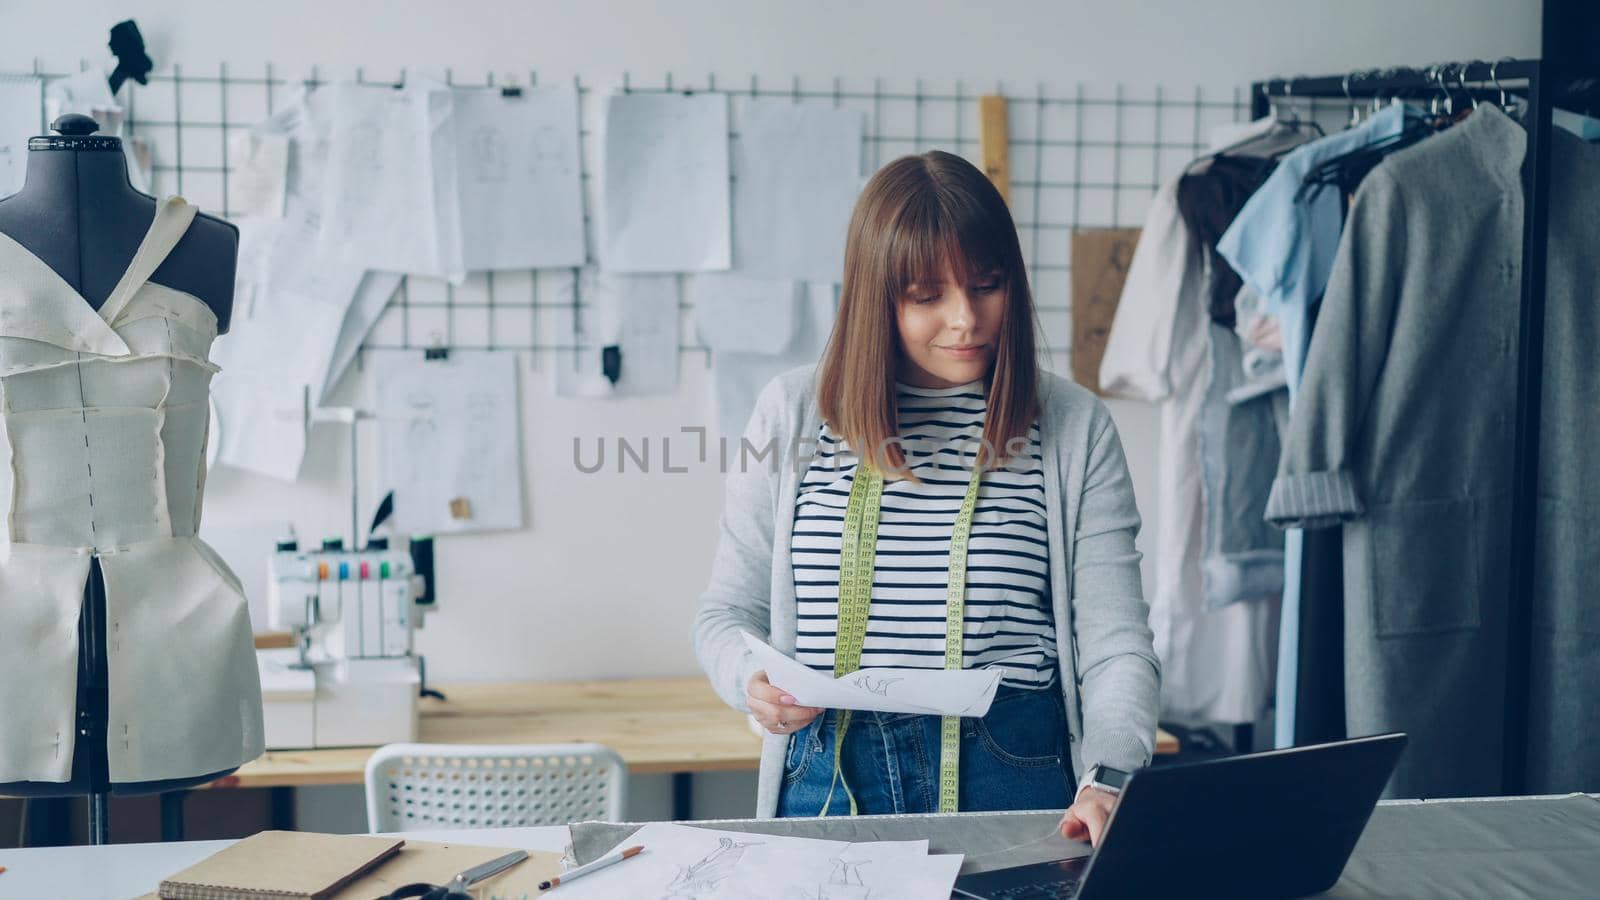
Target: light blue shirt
(1284,247)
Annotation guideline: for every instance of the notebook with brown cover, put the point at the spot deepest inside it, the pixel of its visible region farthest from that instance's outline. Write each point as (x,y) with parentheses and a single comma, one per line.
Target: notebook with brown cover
(281,865)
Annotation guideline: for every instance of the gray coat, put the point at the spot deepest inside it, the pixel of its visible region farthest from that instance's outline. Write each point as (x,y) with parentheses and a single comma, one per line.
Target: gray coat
(1403,432)
(1110,671)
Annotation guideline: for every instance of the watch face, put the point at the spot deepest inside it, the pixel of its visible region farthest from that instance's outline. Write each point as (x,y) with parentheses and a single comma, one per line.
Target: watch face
(1111,778)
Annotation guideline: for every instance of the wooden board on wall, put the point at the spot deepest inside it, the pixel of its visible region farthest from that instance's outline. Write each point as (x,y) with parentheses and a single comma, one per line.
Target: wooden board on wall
(1100,258)
(995,142)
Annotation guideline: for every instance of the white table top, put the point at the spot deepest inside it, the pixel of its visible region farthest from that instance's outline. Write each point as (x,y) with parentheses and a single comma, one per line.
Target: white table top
(122,871)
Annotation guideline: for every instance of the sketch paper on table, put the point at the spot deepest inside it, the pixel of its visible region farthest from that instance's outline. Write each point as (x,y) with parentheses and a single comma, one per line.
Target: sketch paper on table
(638,314)
(865,871)
(798,170)
(737,378)
(519,178)
(88,93)
(259,179)
(21,115)
(941,692)
(744,315)
(666,183)
(390,200)
(880,870)
(681,862)
(449,431)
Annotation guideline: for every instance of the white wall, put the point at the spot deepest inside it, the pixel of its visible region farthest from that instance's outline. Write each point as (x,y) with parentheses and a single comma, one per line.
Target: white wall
(1143,43)
(603,584)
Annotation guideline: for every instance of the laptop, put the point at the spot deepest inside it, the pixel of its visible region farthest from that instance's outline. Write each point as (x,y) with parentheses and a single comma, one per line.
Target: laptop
(1274,824)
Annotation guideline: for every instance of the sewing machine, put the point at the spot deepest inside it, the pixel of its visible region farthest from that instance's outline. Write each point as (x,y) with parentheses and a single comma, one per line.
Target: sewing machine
(352,678)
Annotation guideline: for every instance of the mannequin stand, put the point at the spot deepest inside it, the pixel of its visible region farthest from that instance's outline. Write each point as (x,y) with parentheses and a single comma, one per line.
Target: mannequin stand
(78,214)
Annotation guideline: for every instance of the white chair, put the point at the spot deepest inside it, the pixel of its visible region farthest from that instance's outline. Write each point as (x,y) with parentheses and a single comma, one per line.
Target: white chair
(412,787)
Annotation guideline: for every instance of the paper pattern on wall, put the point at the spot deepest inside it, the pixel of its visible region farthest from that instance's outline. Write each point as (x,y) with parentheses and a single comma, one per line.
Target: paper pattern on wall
(666,183)
(21,108)
(259,177)
(519,178)
(744,315)
(390,201)
(737,378)
(290,309)
(797,171)
(450,440)
(638,314)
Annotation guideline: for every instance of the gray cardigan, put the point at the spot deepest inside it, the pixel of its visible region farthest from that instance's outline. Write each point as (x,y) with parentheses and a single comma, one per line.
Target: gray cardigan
(1111,674)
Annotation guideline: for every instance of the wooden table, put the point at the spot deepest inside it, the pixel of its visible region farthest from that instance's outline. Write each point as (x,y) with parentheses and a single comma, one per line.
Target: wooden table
(676,726)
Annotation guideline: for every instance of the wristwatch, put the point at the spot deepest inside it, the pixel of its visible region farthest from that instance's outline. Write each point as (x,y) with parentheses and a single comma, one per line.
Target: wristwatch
(1107,779)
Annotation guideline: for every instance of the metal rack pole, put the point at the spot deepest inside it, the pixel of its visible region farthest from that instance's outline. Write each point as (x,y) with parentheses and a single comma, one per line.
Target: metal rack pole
(1525,453)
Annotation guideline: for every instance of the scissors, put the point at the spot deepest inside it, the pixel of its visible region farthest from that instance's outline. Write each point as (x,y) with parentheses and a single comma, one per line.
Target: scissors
(457,888)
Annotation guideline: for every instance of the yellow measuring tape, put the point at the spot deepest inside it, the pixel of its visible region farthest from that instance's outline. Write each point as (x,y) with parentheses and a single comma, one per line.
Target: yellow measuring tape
(857,554)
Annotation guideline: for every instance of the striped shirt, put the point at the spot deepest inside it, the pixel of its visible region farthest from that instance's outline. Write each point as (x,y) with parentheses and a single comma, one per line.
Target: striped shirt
(1007,620)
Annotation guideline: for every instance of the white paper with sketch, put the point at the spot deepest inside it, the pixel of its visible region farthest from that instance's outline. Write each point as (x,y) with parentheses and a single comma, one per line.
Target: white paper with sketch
(450,440)
(292,303)
(21,114)
(743,315)
(858,872)
(682,862)
(259,420)
(798,171)
(279,353)
(519,178)
(666,184)
(639,315)
(934,692)
(277,357)
(372,297)
(737,378)
(390,200)
(259,176)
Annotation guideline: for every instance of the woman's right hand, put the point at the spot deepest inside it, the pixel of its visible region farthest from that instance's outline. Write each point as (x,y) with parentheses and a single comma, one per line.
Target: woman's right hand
(775,710)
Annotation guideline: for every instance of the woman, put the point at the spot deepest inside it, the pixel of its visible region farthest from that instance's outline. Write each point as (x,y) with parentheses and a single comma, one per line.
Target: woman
(932,368)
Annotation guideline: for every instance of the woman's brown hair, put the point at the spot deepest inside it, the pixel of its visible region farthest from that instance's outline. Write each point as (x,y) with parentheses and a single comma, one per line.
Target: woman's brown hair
(916,215)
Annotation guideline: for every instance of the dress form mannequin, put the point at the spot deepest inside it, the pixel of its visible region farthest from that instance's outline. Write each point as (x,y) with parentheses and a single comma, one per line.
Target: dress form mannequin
(78,214)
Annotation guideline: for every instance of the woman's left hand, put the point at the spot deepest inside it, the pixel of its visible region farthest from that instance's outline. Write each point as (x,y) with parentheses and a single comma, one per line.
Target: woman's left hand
(1086,818)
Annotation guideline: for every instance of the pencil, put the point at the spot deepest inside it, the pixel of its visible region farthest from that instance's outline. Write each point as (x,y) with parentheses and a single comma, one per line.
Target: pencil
(601,863)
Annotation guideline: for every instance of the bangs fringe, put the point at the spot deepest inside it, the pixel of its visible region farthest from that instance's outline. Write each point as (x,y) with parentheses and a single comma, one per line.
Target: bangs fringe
(938,231)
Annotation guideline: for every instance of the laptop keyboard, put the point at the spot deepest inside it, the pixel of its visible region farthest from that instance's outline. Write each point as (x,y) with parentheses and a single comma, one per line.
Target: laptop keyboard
(1038,890)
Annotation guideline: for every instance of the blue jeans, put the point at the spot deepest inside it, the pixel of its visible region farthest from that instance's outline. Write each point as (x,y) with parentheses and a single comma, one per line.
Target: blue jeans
(1013,758)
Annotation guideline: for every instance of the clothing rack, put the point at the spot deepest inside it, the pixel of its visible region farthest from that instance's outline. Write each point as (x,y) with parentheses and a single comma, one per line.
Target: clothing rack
(1543,85)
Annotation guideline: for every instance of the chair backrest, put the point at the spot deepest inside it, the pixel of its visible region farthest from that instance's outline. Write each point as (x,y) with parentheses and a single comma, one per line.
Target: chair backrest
(412,787)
